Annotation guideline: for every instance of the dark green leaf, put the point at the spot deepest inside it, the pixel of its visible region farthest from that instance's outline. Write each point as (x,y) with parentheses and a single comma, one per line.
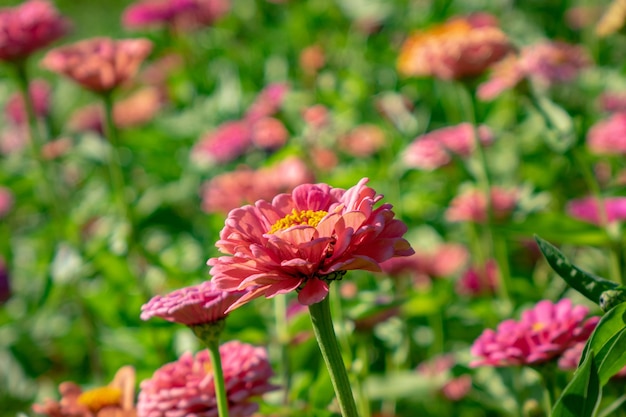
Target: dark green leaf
(582,395)
(589,285)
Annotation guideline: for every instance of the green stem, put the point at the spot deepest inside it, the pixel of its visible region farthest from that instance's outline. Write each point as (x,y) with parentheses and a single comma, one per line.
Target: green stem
(282,341)
(327,341)
(209,333)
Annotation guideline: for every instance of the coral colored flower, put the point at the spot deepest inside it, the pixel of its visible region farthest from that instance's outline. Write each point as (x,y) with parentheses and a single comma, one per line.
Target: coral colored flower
(56,148)
(228,142)
(187,388)
(198,304)
(453,388)
(608,137)
(269,133)
(28,27)
(588,209)
(99,64)
(363,140)
(432,150)
(479,279)
(268,102)
(316,117)
(39,91)
(312,59)
(116,399)
(543,333)
(458,48)
(471,205)
(301,241)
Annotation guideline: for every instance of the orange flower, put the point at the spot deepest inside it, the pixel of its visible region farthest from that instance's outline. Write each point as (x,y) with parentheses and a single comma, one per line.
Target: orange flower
(99,64)
(458,48)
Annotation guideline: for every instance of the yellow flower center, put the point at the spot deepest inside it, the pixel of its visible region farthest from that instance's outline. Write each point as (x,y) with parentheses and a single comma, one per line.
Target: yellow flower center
(538,326)
(296,218)
(98,398)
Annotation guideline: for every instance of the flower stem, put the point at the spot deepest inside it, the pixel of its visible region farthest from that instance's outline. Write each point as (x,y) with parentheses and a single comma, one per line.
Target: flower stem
(209,333)
(327,341)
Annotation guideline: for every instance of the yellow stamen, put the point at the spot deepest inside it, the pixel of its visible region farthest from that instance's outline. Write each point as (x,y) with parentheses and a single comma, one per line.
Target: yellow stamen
(538,326)
(98,398)
(302,217)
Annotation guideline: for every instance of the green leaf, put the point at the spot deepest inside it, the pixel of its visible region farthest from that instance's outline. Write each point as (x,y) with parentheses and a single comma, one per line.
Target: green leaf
(581,396)
(609,340)
(402,384)
(589,285)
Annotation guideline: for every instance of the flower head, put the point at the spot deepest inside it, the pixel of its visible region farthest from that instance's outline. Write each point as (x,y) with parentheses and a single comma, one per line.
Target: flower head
(570,359)
(588,209)
(479,279)
(267,103)
(364,140)
(471,205)
(229,141)
(116,399)
(195,305)
(301,241)
(608,137)
(543,334)
(99,64)
(453,388)
(28,27)
(39,91)
(458,48)
(177,14)
(186,387)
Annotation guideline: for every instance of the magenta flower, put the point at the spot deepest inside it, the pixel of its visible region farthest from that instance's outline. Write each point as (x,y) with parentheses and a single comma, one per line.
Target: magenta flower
(479,280)
(543,334)
(39,91)
(186,387)
(433,150)
(28,27)
(268,102)
(195,305)
(99,64)
(571,357)
(154,12)
(608,137)
(228,142)
(588,209)
(471,205)
(301,241)
(5,282)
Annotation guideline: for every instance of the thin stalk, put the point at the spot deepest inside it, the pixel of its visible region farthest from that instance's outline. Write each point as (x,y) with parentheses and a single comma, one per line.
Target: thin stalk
(282,341)
(327,341)
(218,378)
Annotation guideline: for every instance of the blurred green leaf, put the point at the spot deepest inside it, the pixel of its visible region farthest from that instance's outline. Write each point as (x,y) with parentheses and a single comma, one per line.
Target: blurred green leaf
(582,395)
(396,385)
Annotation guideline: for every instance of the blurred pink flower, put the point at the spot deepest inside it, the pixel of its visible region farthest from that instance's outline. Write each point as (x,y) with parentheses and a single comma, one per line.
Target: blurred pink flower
(269,133)
(116,399)
(5,283)
(432,150)
(441,261)
(268,102)
(571,357)
(30,26)
(56,148)
(364,140)
(581,17)
(608,137)
(228,142)
(187,388)
(303,240)
(39,91)
(6,201)
(543,334)
(13,139)
(205,13)
(479,279)
(233,189)
(312,59)
(454,388)
(587,209)
(99,64)
(198,304)
(546,63)
(183,15)
(471,205)
(458,48)
(612,101)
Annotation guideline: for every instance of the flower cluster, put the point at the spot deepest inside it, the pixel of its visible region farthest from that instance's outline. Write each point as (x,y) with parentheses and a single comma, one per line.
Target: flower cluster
(472,206)
(543,334)
(590,209)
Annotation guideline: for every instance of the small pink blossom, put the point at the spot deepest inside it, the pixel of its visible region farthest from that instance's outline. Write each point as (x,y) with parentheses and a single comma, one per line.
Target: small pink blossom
(195,305)
(312,59)
(612,101)
(268,102)
(461,47)
(183,15)
(571,357)
(479,279)
(99,64)
(432,150)
(28,27)
(471,205)
(269,133)
(454,388)
(187,387)
(225,144)
(39,91)
(543,333)
(301,241)
(316,117)
(608,137)
(6,201)
(588,209)
(364,140)
(13,139)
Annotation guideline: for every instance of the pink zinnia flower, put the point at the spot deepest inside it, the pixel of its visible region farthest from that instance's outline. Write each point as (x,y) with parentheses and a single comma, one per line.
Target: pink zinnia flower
(28,27)
(612,101)
(454,388)
(268,102)
(571,357)
(228,142)
(608,137)
(99,64)
(364,140)
(198,304)
(479,279)
(588,209)
(301,241)
(458,48)
(116,399)
(432,150)
(471,205)
(154,12)
(39,91)
(543,334)
(269,133)
(187,388)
